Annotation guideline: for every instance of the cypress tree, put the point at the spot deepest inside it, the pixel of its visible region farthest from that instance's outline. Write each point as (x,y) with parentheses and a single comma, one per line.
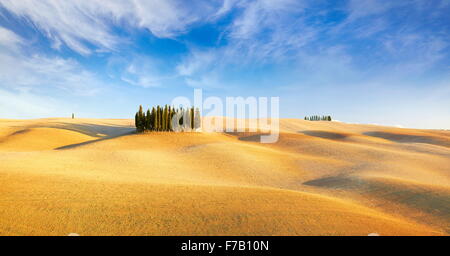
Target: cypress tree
(192,118)
(187,118)
(148,120)
(197,119)
(174,112)
(143,121)
(187,122)
(140,119)
(136,121)
(157,118)
(153,119)
(161,118)
(180,122)
(169,119)
(165,118)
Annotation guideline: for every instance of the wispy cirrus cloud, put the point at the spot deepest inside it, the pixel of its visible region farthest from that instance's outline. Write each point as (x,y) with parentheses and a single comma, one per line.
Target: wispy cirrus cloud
(140,70)
(9,40)
(86,25)
(20,71)
(29,82)
(370,36)
(262,32)
(360,49)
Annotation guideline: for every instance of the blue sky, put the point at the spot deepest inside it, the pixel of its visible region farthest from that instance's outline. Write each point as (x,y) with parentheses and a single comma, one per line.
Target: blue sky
(361,61)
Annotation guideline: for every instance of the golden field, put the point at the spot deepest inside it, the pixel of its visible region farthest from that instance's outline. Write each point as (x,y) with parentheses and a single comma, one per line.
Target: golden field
(96,177)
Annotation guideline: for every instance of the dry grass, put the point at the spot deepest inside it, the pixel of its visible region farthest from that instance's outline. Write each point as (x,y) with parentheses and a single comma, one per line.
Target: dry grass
(95,177)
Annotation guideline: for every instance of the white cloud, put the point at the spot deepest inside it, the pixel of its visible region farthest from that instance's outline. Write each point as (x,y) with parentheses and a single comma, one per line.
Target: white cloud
(258,15)
(140,70)
(136,76)
(284,31)
(269,29)
(264,31)
(209,80)
(29,83)
(197,61)
(9,39)
(22,72)
(363,8)
(80,23)
(33,73)
(414,53)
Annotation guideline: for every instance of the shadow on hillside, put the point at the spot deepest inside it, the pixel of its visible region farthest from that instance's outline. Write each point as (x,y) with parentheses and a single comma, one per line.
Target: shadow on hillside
(93,130)
(248,136)
(90,142)
(405,138)
(422,198)
(102,132)
(326,135)
(20,132)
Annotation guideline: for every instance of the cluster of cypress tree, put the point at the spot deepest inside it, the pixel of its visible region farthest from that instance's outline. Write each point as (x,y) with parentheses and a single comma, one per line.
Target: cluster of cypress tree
(160,119)
(318,118)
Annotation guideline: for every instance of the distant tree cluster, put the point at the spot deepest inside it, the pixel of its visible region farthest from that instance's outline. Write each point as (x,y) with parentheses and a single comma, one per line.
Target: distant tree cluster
(160,119)
(318,118)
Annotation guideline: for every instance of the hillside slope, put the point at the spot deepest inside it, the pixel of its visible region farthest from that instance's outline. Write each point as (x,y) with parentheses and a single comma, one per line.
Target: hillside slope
(96,177)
